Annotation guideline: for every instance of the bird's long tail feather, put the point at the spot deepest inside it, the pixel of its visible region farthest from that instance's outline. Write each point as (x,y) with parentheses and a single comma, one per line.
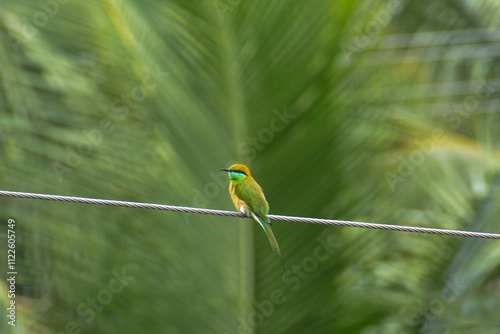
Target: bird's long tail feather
(272,239)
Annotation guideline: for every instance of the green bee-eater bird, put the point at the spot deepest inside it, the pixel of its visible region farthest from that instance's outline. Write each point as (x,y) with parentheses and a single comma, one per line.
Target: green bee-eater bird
(248,198)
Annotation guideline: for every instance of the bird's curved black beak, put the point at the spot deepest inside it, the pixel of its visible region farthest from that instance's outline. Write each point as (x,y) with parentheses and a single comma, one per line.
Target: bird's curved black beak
(225,170)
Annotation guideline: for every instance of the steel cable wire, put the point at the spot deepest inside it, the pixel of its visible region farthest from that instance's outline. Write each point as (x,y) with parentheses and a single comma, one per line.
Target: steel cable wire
(203,211)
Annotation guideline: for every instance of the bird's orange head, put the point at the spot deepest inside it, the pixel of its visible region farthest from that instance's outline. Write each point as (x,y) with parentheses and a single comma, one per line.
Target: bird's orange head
(237,172)
(240,169)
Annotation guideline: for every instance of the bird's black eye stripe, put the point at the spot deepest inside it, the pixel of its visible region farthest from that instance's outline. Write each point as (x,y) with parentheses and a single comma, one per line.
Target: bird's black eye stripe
(241,172)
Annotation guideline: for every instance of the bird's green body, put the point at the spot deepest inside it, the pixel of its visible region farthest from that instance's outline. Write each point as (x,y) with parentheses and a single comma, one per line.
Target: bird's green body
(248,198)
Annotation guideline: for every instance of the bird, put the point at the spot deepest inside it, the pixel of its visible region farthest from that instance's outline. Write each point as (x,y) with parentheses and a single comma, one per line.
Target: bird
(248,198)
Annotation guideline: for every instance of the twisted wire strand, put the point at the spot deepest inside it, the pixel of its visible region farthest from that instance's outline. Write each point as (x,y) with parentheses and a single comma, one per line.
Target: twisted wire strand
(152,206)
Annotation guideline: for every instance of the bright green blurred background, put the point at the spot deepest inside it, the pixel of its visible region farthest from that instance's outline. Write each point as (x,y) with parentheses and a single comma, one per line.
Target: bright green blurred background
(379,111)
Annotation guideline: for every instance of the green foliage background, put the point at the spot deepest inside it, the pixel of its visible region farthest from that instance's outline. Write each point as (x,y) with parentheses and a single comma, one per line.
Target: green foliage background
(380,111)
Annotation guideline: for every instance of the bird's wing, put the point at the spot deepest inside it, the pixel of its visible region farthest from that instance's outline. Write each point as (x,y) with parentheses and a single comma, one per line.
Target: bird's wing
(251,193)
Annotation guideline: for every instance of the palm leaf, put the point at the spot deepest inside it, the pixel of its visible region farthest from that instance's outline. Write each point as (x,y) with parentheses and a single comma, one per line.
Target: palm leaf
(146,100)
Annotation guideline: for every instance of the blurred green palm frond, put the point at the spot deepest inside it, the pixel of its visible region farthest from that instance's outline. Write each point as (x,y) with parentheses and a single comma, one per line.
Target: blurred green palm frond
(379,111)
